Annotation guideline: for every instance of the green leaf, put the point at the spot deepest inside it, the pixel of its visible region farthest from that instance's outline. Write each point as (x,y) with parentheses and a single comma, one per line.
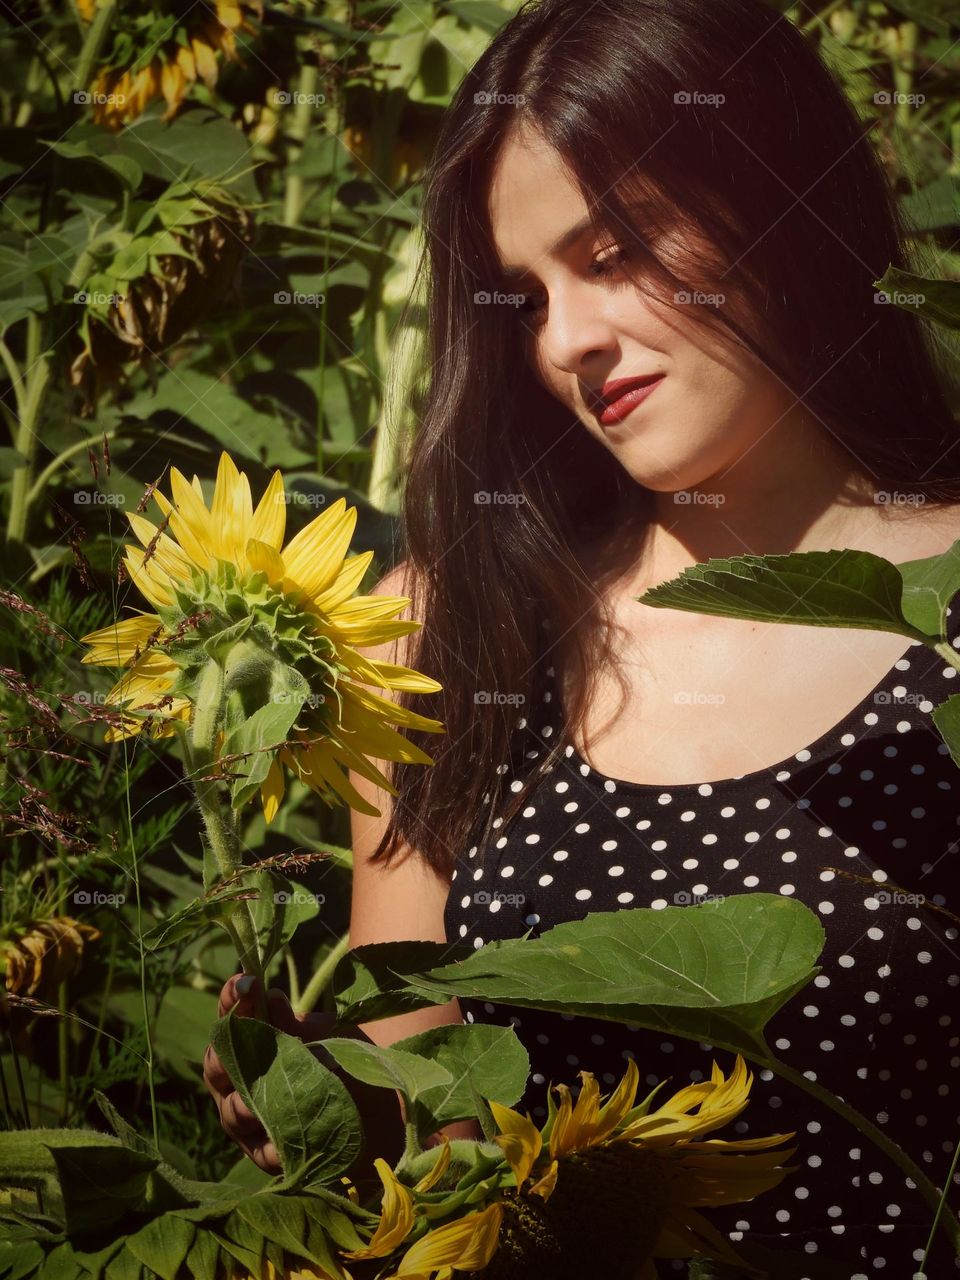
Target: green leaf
(61,1263)
(483,1062)
(255,741)
(940,298)
(20,1260)
(163,1244)
(837,588)
(124,1266)
(928,587)
(388,1067)
(282,1219)
(203,1258)
(307,1112)
(715,972)
(947,719)
(212,909)
(219,645)
(374,981)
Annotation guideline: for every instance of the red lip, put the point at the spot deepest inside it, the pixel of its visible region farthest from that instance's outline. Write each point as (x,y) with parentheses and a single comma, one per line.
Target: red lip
(617,386)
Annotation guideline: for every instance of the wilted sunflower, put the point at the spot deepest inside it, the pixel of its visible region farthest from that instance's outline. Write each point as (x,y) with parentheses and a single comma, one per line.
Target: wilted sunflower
(273,630)
(180,57)
(616,1185)
(36,957)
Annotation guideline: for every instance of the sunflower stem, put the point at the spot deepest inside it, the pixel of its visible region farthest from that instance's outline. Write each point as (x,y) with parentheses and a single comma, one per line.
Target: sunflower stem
(876,1135)
(219,819)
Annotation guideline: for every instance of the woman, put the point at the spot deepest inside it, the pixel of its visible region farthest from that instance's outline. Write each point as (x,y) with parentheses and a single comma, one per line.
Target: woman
(675,196)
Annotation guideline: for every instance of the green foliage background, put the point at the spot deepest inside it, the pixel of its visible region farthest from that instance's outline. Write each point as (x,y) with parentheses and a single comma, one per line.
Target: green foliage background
(261,233)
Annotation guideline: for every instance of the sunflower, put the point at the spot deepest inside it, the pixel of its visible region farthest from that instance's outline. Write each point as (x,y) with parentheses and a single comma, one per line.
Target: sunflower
(120,94)
(263,638)
(606,1189)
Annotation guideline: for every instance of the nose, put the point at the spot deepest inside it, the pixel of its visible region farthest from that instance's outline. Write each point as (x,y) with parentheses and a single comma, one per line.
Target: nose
(577,328)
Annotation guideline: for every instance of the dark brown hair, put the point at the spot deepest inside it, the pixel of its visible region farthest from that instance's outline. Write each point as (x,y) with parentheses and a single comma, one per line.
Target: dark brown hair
(781,178)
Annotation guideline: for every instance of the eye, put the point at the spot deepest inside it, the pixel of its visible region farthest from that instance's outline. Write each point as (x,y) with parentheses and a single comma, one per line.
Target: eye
(599,269)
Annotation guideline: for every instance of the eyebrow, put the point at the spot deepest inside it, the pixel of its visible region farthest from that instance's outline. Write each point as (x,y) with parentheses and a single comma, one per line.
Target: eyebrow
(564,242)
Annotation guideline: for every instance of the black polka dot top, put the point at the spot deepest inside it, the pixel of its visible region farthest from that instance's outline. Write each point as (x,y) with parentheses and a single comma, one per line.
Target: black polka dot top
(863,827)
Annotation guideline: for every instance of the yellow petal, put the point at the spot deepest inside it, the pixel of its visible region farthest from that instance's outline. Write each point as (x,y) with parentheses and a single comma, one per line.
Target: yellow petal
(262,558)
(231,510)
(315,768)
(148,577)
(439,1169)
(519,1139)
(314,557)
(271,790)
(346,582)
(270,518)
(468,1244)
(183,531)
(167,554)
(115,646)
(396,1216)
(193,512)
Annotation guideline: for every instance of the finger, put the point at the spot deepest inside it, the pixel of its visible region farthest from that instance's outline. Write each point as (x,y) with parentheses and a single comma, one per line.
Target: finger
(238,1120)
(228,997)
(215,1075)
(265,1155)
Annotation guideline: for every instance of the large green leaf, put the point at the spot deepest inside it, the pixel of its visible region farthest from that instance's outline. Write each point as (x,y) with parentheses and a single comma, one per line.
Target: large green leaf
(820,588)
(928,587)
(163,1244)
(483,1062)
(388,1067)
(305,1109)
(941,298)
(715,972)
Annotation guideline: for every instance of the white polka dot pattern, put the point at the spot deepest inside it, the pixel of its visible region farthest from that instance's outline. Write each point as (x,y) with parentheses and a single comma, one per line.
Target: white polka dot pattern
(862,826)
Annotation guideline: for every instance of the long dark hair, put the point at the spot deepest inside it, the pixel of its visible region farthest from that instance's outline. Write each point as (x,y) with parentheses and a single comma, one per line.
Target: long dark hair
(783,179)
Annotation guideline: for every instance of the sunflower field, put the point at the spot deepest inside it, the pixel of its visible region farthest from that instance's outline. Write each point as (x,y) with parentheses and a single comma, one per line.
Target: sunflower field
(208,343)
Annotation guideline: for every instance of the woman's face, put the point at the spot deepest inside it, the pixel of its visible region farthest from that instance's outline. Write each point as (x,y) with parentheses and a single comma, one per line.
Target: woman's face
(716,402)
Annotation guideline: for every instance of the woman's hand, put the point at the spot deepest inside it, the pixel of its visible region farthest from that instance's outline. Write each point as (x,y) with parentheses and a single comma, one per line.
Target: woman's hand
(238,1121)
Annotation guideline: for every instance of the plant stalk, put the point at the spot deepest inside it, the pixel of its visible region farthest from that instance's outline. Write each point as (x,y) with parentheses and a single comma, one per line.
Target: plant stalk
(218,818)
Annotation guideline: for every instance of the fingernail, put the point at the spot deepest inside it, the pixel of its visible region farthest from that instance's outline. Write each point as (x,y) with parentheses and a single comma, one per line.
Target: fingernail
(242,985)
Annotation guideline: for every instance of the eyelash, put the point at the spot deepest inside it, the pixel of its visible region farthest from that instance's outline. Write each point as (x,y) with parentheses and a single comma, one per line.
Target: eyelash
(601,269)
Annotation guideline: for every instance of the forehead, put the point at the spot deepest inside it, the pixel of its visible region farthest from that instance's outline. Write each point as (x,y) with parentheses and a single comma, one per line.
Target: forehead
(533,199)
